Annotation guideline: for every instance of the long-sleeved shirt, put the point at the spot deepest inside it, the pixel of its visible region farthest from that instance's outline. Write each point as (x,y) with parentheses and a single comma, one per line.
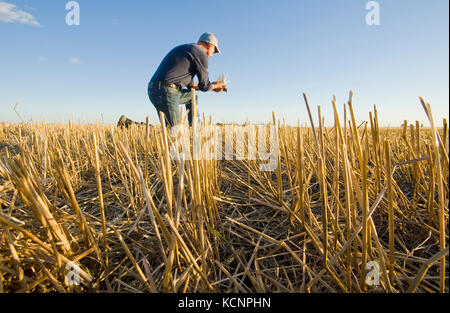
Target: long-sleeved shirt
(181,65)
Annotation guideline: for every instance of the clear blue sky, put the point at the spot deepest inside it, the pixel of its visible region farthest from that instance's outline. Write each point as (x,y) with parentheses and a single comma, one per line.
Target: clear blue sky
(272,52)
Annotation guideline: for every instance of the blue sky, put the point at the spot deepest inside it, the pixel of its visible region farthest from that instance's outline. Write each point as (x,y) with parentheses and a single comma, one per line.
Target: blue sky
(272,52)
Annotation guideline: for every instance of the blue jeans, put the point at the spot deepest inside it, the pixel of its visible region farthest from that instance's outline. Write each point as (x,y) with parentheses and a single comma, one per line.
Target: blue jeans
(167,100)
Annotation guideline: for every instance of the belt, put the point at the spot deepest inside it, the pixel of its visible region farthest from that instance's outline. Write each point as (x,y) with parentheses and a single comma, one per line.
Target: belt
(164,84)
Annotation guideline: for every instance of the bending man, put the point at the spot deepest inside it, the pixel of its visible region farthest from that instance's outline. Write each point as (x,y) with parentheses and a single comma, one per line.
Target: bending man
(171,84)
(177,71)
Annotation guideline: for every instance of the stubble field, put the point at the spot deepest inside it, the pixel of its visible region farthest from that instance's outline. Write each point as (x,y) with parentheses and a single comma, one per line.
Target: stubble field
(349,208)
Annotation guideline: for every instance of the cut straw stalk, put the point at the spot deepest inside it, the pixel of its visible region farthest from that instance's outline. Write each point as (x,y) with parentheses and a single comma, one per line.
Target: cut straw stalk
(324,202)
(365,207)
(441,202)
(100,198)
(336,181)
(387,149)
(347,188)
(279,178)
(312,124)
(301,173)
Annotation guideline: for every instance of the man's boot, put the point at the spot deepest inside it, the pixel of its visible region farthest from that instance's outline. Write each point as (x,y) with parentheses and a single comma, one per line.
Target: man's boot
(124,122)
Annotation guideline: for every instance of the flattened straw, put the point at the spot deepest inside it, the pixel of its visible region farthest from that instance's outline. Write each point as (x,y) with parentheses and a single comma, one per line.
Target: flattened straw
(424,269)
(15,257)
(150,279)
(132,259)
(231,277)
(4,220)
(52,278)
(2,284)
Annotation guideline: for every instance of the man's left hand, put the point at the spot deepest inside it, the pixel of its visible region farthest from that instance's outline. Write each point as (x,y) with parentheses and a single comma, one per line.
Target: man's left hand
(219,86)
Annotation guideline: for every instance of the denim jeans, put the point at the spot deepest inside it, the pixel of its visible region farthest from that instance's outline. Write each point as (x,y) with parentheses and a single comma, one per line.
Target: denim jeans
(167,100)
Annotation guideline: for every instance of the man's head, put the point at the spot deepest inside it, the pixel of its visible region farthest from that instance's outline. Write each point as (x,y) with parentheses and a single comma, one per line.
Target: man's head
(209,43)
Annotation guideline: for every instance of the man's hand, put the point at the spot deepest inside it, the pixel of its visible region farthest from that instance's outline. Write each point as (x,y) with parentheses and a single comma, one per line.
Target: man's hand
(218,86)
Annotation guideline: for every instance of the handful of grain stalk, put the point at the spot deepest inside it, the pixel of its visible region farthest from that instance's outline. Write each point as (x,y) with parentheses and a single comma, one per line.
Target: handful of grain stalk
(223,79)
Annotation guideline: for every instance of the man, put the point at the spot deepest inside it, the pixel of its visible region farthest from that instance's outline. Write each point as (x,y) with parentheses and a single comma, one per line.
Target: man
(177,71)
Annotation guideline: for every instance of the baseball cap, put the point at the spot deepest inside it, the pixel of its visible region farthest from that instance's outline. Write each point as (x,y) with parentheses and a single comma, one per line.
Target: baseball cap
(210,38)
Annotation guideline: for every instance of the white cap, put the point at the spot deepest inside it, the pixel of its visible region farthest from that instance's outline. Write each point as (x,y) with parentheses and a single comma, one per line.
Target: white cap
(210,38)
